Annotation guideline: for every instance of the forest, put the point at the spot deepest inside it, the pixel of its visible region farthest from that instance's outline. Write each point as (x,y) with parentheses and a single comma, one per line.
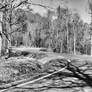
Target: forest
(60,30)
(49,53)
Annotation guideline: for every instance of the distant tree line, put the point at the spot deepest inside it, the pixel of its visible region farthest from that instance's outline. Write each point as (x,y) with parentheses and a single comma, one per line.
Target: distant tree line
(66,33)
(61,31)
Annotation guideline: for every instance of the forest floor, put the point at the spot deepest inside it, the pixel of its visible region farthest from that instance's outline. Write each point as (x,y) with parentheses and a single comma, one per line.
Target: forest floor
(19,72)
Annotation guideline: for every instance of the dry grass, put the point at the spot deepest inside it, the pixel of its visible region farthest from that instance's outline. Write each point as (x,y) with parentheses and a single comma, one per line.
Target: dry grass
(18,68)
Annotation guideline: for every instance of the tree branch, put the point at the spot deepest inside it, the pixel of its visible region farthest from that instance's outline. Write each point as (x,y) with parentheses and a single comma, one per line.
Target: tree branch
(13,1)
(20,84)
(26,2)
(17,30)
(3,7)
(44,6)
(21,3)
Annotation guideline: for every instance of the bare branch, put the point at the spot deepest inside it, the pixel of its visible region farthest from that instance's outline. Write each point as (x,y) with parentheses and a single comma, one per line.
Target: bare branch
(29,3)
(44,6)
(17,30)
(6,35)
(3,6)
(21,3)
(13,1)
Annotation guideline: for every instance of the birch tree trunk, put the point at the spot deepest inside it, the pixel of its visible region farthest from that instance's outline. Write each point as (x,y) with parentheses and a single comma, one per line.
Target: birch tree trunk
(61,49)
(67,36)
(74,40)
(91,31)
(1,16)
(0,38)
(91,44)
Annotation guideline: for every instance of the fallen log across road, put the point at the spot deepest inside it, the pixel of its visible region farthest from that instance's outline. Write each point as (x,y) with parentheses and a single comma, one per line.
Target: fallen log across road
(53,64)
(76,72)
(30,82)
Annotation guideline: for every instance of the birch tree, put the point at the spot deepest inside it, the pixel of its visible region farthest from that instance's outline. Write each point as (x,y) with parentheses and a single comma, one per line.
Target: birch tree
(90,8)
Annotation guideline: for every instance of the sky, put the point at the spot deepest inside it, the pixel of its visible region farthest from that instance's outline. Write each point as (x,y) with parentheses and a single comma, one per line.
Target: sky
(79,6)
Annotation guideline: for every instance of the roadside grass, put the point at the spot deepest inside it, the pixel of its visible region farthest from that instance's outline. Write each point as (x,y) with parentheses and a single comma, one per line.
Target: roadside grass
(23,67)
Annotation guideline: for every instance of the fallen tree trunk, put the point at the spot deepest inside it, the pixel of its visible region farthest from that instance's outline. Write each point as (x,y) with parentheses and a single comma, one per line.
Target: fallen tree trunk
(25,82)
(80,74)
(52,64)
(76,72)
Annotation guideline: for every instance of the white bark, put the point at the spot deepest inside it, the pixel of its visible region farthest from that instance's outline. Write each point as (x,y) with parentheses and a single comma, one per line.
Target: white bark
(74,40)
(0,32)
(0,41)
(91,45)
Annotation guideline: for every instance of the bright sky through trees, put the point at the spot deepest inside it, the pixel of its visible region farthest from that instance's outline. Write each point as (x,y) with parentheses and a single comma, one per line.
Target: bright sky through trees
(80,6)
